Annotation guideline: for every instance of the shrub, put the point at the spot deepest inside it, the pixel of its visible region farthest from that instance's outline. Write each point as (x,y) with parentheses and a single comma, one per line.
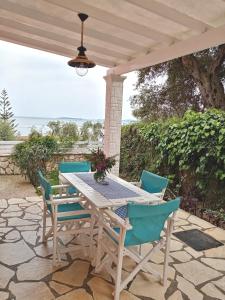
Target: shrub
(7,132)
(189,150)
(33,155)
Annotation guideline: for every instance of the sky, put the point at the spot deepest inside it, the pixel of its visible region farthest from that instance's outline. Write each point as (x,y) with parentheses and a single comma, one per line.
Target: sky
(41,84)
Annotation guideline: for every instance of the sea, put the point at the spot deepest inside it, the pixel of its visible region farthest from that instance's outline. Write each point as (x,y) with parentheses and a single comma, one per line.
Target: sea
(26,124)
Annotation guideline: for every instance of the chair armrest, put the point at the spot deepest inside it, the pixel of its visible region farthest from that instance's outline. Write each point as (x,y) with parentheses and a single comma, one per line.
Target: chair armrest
(59,186)
(66,200)
(121,222)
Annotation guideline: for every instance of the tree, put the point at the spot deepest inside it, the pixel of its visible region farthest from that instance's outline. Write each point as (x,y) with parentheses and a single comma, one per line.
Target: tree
(91,131)
(6,113)
(55,127)
(192,82)
(70,130)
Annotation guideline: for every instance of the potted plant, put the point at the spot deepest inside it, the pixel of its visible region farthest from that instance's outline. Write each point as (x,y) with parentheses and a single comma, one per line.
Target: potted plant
(101,164)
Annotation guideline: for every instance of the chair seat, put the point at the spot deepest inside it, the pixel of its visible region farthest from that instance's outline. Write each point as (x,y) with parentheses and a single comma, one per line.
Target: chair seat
(70,207)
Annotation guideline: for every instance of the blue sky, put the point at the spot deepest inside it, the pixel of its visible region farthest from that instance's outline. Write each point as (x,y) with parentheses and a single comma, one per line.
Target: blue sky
(41,84)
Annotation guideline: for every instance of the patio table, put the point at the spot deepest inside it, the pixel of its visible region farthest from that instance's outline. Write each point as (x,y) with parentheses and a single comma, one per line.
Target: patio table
(118,192)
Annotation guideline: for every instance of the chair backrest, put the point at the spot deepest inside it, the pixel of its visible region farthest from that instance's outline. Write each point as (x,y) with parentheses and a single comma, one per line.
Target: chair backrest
(75,166)
(153,183)
(46,187)
(148,220)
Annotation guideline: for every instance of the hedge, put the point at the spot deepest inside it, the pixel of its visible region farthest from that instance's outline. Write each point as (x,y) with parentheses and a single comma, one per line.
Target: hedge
(190,151)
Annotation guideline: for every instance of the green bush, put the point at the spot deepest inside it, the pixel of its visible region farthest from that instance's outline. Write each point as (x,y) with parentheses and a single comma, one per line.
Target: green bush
(33,155)
(7,132)
(189,150)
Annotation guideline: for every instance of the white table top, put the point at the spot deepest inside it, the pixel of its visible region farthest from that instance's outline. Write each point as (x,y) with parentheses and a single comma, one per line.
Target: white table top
(99,201)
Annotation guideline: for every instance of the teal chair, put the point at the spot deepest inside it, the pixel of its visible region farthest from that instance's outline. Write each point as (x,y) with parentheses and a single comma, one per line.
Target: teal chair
(144,224)
(73,167)
(153,183)
(68,216)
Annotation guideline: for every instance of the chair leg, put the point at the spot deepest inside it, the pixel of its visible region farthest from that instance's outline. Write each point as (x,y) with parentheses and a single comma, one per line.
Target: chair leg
(118,274)
(54,236)
(44,224)
(167,251)
(92,224)
(99,249)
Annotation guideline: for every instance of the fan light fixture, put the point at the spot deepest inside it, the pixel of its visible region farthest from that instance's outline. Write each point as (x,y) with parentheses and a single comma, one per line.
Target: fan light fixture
(81,63)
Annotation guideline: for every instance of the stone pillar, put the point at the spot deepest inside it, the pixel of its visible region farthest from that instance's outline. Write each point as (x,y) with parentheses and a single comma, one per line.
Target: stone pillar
(113,117)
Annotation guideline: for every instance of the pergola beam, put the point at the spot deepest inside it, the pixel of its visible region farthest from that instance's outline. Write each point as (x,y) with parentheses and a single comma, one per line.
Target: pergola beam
(71,42)
(206,40)
(44,46)
(172,14)
(109,18)
(33,14)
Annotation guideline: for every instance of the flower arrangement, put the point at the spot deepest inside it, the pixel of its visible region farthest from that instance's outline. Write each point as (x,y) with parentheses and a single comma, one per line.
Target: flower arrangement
(101,164)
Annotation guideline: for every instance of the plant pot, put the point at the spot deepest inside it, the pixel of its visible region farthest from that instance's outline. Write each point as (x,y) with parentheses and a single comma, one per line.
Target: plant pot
(99,177)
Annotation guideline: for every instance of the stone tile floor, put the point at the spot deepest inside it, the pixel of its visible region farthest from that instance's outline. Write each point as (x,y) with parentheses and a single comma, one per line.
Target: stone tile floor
(26,268)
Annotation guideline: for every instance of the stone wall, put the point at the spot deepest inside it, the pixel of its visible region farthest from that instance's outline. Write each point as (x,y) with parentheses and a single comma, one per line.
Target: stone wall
(8,167)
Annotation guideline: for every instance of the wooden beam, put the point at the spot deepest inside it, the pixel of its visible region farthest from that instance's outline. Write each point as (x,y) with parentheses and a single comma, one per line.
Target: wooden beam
(109,18)
(210,38)
(45,18)
(172,14)
(71,42)
(44,46)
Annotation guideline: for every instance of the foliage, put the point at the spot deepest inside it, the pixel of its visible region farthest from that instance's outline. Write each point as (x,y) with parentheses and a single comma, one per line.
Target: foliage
(189,150)
(7,123)
(7,133)
(64,131)
(34,154)
(193,82)
(91,131)
(100,163)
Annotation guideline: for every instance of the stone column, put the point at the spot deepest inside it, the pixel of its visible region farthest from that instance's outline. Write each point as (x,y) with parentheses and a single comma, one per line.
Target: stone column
(113,117)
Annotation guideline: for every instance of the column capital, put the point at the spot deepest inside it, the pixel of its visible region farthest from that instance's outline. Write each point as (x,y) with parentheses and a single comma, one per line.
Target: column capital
(114,78)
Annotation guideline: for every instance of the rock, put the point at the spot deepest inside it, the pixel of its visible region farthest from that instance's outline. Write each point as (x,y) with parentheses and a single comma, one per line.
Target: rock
(4,295)
(199,222)
(217,233)
(73,275)
(3,203)
(196,272)
(19,222)
(36,269)
(44,250)
(12,208)
(33,217)
(194,253)
(16,201)
(218,252)
(101,289)
(59,288)
(12,214)
(176,296)
(181,256)
(188,289)
(34,209)
(6,275)
(30,237)
(175,245)
(15,253)
(31,290)
(220,283)
(146,285)
(79,294)
(218,264)
(12,236)
(210,290)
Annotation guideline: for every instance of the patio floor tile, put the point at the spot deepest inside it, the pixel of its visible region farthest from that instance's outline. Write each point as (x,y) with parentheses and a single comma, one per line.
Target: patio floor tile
(27,273)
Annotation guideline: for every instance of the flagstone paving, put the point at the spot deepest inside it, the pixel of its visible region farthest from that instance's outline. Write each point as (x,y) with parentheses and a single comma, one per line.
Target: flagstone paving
(26,270)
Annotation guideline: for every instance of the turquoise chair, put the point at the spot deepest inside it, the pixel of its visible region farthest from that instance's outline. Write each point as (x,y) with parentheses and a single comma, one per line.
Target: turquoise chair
(65,212)
(151,183)
(73,167)
(154,183)
(146,223)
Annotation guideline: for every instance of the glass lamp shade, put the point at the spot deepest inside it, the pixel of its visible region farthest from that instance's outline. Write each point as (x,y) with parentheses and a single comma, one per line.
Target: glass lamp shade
(82,70)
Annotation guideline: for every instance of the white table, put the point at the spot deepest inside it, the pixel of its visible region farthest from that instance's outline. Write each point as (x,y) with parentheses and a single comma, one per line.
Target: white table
(100,201)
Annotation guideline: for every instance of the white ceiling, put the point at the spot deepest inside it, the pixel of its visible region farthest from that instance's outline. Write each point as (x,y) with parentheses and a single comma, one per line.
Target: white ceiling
(123,35)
